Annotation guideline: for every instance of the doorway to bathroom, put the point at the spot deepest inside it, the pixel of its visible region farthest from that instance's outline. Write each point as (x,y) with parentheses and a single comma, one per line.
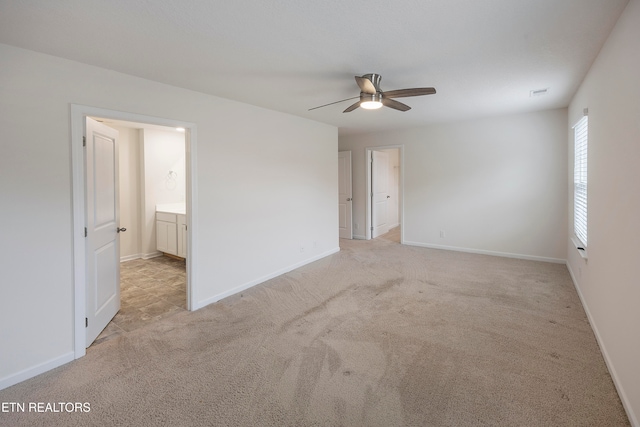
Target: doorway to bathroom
(152,207)
(139,208)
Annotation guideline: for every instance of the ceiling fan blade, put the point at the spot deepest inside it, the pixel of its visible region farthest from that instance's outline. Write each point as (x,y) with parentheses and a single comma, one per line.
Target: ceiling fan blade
(387,102)
(337,102)
(366,86)
(403,93)
(352,107)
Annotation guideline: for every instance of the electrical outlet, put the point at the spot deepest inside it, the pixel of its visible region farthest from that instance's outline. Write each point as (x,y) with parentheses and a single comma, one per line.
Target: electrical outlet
(356,225)
(301,248)
(442,235)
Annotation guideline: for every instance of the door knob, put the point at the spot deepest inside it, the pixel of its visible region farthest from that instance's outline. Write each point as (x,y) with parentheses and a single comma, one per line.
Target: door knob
(121,230)
(349,199)
(388,197)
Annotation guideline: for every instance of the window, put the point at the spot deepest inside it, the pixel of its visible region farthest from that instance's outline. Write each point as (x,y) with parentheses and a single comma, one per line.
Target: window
(581,137)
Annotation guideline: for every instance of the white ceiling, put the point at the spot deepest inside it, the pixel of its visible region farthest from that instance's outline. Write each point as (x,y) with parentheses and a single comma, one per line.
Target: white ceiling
(482,56)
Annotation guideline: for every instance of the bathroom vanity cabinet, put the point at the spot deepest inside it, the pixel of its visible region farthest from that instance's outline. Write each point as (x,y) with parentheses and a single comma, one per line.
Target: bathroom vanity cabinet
(171,230)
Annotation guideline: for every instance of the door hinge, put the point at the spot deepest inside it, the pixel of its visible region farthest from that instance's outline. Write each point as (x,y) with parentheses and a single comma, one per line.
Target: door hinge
(84,141)
(86,322)
(371,228)
(85,232)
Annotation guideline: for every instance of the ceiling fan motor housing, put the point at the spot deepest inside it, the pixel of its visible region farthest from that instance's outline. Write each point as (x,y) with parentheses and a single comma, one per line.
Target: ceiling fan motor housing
(375,81)
(371,97)
(370,93)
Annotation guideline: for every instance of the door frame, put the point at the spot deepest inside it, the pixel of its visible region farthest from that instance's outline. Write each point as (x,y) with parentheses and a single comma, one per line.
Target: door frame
(367,196)
(78,115)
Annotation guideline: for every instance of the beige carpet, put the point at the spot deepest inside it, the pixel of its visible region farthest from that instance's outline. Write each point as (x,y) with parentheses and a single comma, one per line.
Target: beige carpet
(377,335)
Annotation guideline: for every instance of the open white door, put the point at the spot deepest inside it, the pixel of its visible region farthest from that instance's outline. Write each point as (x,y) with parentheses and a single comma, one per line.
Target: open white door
(379,193)
(102,221)
(345,198)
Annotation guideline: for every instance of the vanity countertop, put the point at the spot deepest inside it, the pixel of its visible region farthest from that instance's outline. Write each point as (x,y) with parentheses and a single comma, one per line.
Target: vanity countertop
(174,208)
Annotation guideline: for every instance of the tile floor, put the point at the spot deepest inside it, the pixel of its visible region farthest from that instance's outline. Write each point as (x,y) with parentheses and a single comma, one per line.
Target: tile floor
(150,290)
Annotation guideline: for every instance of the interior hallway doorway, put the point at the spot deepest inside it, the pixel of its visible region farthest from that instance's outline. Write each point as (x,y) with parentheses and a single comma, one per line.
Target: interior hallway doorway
(384,190)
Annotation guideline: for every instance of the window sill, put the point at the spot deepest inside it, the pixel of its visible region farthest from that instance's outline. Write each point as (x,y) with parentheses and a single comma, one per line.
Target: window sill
(579,247)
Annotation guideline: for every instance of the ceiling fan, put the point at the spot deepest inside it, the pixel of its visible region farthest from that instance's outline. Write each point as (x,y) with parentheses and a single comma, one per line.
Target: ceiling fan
(372,97)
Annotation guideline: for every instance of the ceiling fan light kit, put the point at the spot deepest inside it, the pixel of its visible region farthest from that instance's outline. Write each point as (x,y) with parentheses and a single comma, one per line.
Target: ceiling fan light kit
(372,97)
(371,101)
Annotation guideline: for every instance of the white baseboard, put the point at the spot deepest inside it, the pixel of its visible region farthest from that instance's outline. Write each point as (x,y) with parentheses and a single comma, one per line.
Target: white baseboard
(151,255)
(130,257)
(141,256)
(484,252)
(633,419)
(262,279)
(33,371)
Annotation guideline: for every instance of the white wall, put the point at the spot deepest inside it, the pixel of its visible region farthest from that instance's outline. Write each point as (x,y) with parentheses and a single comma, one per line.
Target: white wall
(494,185)
(266,182)
(163,152)
(609,282)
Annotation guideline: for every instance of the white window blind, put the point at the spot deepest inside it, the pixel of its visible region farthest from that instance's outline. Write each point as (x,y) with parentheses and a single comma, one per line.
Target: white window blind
(581,138)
